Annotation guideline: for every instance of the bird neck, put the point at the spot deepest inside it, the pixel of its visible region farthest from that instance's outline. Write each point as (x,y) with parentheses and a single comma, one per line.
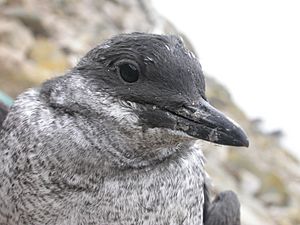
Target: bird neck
(123,147)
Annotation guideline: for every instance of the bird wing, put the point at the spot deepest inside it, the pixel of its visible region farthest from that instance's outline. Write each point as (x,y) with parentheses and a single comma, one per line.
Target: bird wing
(224,210)
(207,203)
(3,113)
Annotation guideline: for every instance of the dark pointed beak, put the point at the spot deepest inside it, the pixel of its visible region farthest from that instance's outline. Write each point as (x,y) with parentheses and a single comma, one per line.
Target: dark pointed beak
(205,122)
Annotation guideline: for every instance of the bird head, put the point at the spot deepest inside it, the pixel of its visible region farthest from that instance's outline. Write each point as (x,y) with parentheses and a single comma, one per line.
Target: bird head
(152,85)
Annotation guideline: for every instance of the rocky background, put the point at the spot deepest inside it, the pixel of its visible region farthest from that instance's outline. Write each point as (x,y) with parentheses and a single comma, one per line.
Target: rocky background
(42,39)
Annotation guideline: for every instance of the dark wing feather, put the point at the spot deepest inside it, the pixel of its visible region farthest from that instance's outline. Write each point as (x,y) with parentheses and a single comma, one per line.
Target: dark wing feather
(207,203)
(3,113)
(224,210)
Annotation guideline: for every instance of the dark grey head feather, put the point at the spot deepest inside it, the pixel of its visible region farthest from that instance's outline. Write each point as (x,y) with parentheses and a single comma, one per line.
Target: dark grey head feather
(169,74)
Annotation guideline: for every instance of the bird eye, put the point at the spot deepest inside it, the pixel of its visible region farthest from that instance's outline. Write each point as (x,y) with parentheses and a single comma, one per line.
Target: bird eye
(129,72)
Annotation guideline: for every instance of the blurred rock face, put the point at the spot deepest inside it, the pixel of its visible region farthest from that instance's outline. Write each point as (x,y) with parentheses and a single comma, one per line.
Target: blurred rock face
(41,39)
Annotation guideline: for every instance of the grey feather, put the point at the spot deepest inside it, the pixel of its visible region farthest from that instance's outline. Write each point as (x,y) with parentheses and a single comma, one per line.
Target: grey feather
(224,210)
(3,113)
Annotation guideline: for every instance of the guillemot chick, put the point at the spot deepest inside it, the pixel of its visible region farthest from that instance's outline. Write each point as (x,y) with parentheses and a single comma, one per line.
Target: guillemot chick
(112,141)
